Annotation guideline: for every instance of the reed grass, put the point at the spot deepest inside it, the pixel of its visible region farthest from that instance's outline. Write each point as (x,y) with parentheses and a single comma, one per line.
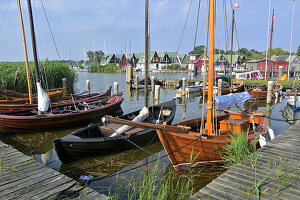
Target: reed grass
(152,186)
(13,76)
(286,82)
(238,149)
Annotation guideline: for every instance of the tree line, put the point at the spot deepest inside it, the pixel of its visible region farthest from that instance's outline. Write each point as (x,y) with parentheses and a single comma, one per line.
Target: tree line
(251,54)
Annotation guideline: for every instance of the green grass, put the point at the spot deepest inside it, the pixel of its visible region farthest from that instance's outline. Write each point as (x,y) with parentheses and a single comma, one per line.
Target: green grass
(286,82)
(13,75)
(152,186)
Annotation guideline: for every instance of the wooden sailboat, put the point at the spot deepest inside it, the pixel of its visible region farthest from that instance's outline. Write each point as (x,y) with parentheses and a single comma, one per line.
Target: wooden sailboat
(193,145)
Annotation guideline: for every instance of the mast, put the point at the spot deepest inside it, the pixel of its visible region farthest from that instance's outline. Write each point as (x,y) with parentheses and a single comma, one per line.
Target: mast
(146,53)
(270,49)
(209,124)
(36,65)
(231,65)
(291,43)
(25,53)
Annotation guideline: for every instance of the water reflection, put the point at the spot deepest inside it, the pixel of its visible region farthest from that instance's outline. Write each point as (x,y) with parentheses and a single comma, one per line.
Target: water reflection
(41,145)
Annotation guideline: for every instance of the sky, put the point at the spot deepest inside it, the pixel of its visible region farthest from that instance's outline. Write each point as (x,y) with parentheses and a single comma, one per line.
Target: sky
(107,25)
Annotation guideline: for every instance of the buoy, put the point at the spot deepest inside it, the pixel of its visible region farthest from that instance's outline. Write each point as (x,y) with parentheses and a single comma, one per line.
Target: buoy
(262,141)
(271,133)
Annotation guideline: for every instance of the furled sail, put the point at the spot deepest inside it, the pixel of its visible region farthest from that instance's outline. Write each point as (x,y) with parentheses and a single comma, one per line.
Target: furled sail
(229,100)
(43,98)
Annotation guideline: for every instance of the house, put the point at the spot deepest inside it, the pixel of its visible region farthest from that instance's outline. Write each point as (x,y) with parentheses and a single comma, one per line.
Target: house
(190,61)
(295,63)
(132,61)
(108,59)
(153,61)
(221,63)
(164,59)
(176,58)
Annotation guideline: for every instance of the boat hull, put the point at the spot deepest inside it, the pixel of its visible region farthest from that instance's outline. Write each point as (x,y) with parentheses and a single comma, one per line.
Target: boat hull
(291,101)
(191,149)
(17,122)
(78,144)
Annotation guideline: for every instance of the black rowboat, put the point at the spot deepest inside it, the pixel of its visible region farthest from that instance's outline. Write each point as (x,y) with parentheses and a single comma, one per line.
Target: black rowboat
(95,139)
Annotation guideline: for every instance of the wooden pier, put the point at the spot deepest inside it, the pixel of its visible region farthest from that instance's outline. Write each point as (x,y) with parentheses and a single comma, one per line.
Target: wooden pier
(24,178)
(274,173)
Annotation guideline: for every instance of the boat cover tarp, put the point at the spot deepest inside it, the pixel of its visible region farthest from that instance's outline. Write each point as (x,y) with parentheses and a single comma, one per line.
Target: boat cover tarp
(229,100)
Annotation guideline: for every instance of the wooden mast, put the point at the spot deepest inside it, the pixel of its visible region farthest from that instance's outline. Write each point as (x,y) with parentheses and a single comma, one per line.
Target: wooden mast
(25,53)
(270,49)
(36,65)
(146,53)
(209,124)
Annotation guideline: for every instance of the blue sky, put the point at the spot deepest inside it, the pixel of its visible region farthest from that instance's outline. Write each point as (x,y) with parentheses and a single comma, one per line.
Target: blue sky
(76,23)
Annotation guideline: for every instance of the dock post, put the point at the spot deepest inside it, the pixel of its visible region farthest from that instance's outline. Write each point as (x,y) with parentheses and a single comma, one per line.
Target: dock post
(157,93)
(152,83)
(64,85)
(195,70)
(116,88)
(270,91)
(128,74)
(137,81)
(88,88)
(219,87)
(280,72)
(183,86)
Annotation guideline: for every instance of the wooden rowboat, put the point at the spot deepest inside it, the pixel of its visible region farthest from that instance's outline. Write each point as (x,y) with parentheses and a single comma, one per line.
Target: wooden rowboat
(95,139)
(236,87)
(261,92)
(22,104)
(61,116)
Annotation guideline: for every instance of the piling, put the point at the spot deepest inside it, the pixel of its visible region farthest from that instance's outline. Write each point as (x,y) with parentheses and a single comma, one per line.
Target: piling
(129,74)
(116,88)
(183,85)
(270,91)
(157,93)
(195,70)
(136,81)
(280,72)
(88,88)
(152,83)
(64,85)
(219,87)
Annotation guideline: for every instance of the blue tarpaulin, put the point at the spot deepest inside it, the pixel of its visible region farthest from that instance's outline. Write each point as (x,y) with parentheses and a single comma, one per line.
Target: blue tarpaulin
(86,66)
(229,100)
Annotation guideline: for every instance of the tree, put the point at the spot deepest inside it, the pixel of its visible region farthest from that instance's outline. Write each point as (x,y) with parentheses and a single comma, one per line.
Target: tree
(197,50)
(279,52)
(298,52)
(95,57)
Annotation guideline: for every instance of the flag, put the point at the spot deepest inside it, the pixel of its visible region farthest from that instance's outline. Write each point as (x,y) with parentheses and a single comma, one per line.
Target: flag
(236,5)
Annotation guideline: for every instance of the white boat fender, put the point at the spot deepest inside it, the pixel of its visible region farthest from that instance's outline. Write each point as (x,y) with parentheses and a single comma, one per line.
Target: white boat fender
(262,141)
(271,133)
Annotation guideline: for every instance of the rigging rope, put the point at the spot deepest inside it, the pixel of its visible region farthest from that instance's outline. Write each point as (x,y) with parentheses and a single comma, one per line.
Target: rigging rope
(187,16)
(50,30)
(4,15)
(197,24)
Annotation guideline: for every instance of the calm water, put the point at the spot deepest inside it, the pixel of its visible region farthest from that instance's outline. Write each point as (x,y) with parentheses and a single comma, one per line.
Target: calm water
(40,145)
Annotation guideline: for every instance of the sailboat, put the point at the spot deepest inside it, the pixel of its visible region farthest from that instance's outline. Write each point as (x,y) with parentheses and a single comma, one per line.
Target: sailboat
(187,142)
(15,100)
(113,137)
(58,116)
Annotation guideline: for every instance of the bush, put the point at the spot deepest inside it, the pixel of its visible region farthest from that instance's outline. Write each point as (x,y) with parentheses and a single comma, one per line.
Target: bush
(108,68)
(174,66)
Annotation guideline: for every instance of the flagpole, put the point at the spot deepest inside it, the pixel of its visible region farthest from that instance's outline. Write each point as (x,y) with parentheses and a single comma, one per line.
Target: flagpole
(268,33)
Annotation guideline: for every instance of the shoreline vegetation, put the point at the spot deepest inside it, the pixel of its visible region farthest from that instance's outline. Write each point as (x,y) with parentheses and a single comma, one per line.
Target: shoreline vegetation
(13,76)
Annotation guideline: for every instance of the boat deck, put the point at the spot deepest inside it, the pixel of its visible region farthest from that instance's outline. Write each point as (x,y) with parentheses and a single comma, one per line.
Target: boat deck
(274,175)
(24,178)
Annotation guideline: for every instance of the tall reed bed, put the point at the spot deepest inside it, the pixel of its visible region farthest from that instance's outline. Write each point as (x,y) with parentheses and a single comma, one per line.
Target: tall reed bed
(13,75)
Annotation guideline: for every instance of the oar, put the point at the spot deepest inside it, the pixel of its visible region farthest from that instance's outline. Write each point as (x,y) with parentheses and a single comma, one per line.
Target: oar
(164,127)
